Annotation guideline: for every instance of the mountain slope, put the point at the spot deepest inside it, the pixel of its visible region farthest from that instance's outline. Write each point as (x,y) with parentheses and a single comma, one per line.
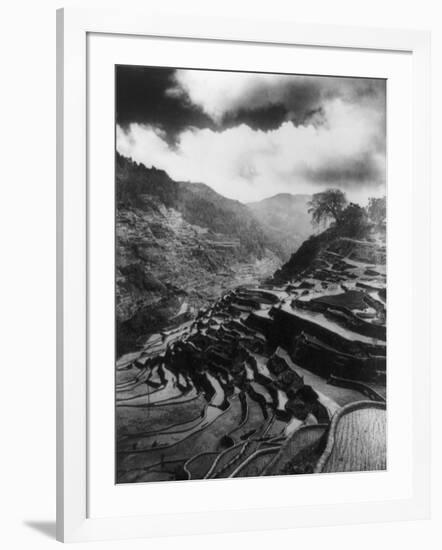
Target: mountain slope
(285,218)
(366,246)
(179,246)
(197,203)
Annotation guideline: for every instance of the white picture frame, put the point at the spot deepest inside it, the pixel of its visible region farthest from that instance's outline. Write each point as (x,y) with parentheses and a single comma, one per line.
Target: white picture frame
(74,521)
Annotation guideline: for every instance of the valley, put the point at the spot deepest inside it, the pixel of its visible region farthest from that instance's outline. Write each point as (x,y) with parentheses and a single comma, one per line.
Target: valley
(179,246)
(251,385)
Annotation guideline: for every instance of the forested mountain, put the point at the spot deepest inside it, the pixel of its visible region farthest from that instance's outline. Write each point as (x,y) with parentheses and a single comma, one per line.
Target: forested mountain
(196,202)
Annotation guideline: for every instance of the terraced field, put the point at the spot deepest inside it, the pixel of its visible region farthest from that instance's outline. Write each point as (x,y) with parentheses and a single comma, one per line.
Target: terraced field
(253,384)
(356,440)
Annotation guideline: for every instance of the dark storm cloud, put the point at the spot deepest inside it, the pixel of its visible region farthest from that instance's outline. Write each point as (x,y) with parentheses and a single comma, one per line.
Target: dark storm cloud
(141,98)
(249,135)
(300,99)
(229,96)
(348,172)
(165,99)
(263,118)
(145,95)
(270,117)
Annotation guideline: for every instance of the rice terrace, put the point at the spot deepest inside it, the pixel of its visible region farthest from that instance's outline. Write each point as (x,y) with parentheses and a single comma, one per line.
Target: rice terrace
(251,284)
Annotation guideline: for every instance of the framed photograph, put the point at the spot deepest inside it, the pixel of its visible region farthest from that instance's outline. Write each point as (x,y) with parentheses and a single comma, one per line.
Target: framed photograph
(239,205)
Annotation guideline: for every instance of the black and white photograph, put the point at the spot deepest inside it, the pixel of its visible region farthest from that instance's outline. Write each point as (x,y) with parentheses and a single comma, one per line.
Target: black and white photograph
(250,274)
(208,209)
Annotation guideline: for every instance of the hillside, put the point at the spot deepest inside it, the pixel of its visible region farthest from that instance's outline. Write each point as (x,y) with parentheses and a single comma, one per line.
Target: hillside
(255,384)
(364,244)
(179,246)
(285,218)
(197,203)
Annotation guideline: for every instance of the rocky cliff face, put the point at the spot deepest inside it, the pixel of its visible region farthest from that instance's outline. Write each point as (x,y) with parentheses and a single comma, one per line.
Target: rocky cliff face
(179,246)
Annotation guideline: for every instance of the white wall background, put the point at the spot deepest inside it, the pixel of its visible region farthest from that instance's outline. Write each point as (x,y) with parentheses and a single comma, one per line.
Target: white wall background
(27,306)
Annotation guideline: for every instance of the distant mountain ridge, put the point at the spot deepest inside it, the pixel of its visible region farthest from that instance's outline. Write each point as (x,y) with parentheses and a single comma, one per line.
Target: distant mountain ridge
(285,219)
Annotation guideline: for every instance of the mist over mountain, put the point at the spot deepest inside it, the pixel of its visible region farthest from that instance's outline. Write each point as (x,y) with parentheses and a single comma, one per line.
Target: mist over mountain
(285,218)
(181,244)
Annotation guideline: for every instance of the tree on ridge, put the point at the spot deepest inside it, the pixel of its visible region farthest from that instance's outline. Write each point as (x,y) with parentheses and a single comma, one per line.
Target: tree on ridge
(327,205)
